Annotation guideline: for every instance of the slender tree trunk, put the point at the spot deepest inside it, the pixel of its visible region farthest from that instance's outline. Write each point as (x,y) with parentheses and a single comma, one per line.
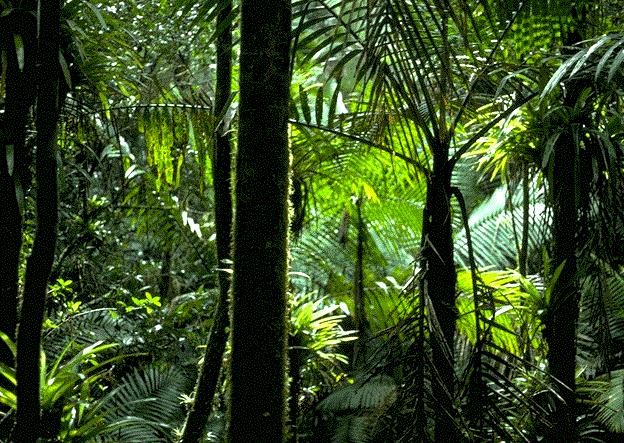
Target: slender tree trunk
(19,98)
(359,306)
(257,410)
(164,285)
(440,276)
(523,261)
(438,285)
(523,253)
(563,308)
(28,417)
(221,171)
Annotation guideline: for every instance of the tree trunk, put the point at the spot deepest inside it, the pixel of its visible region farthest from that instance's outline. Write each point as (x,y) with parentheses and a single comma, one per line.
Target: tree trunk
(523,253)
(359,305)
(28,418)
(563,308)
(19,98)
(164,284)
(221,172)
(440,277)
(438,285)
(258,382)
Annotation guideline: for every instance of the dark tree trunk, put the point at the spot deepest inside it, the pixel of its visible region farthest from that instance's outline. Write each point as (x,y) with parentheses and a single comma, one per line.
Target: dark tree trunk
(359,305)
(523,253)
(438,266)
(563,308)
(257,410)
(19,98)
(438,285)
(164,285)
(221,171)
(28,418)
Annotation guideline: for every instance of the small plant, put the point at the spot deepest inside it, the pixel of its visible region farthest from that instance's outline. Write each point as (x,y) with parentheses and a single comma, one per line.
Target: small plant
(149,303)
(78,404)
(316,328)
(68,389)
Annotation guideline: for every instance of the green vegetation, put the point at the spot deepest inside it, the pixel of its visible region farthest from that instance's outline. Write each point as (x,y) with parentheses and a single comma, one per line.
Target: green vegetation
(347,221)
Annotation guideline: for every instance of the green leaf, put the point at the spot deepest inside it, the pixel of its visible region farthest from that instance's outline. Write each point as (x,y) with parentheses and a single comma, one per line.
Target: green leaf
(65,69)
(97,13)
(305,106)
(10,157)
(8,373)
(549,148)
(557,76)
(19,50)
(7,341)
(587,53)
(318,110)
(8,398)
(553,282)
(615,66)
(605,58)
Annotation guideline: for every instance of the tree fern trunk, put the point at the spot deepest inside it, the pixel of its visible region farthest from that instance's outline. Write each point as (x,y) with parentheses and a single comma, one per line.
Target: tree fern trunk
(28,418)
(221,171)
(258,385)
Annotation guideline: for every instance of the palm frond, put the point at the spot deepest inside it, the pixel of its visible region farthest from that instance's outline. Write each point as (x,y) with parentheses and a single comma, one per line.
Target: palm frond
(88,327)
(497,221)
(145,406)
(355,409)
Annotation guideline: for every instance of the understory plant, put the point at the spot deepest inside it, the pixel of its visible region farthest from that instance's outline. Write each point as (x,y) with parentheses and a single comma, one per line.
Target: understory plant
(81,402)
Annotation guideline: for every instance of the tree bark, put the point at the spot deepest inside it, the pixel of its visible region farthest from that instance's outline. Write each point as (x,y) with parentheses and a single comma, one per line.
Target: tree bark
(563,308)
(164,284)
(257,410)
(208,376)
(39,265)
(19,98)
(523,253)
(359,305)
(440,277)
(438,285)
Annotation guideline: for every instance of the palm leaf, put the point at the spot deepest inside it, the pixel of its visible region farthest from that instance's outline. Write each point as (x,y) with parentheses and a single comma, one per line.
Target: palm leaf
(145,406)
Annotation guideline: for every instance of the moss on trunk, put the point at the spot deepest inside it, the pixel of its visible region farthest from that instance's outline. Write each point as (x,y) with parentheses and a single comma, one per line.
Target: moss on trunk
(258,369)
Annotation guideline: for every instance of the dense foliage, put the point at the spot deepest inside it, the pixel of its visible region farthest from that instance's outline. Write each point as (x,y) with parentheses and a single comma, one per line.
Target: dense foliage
(455,229)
